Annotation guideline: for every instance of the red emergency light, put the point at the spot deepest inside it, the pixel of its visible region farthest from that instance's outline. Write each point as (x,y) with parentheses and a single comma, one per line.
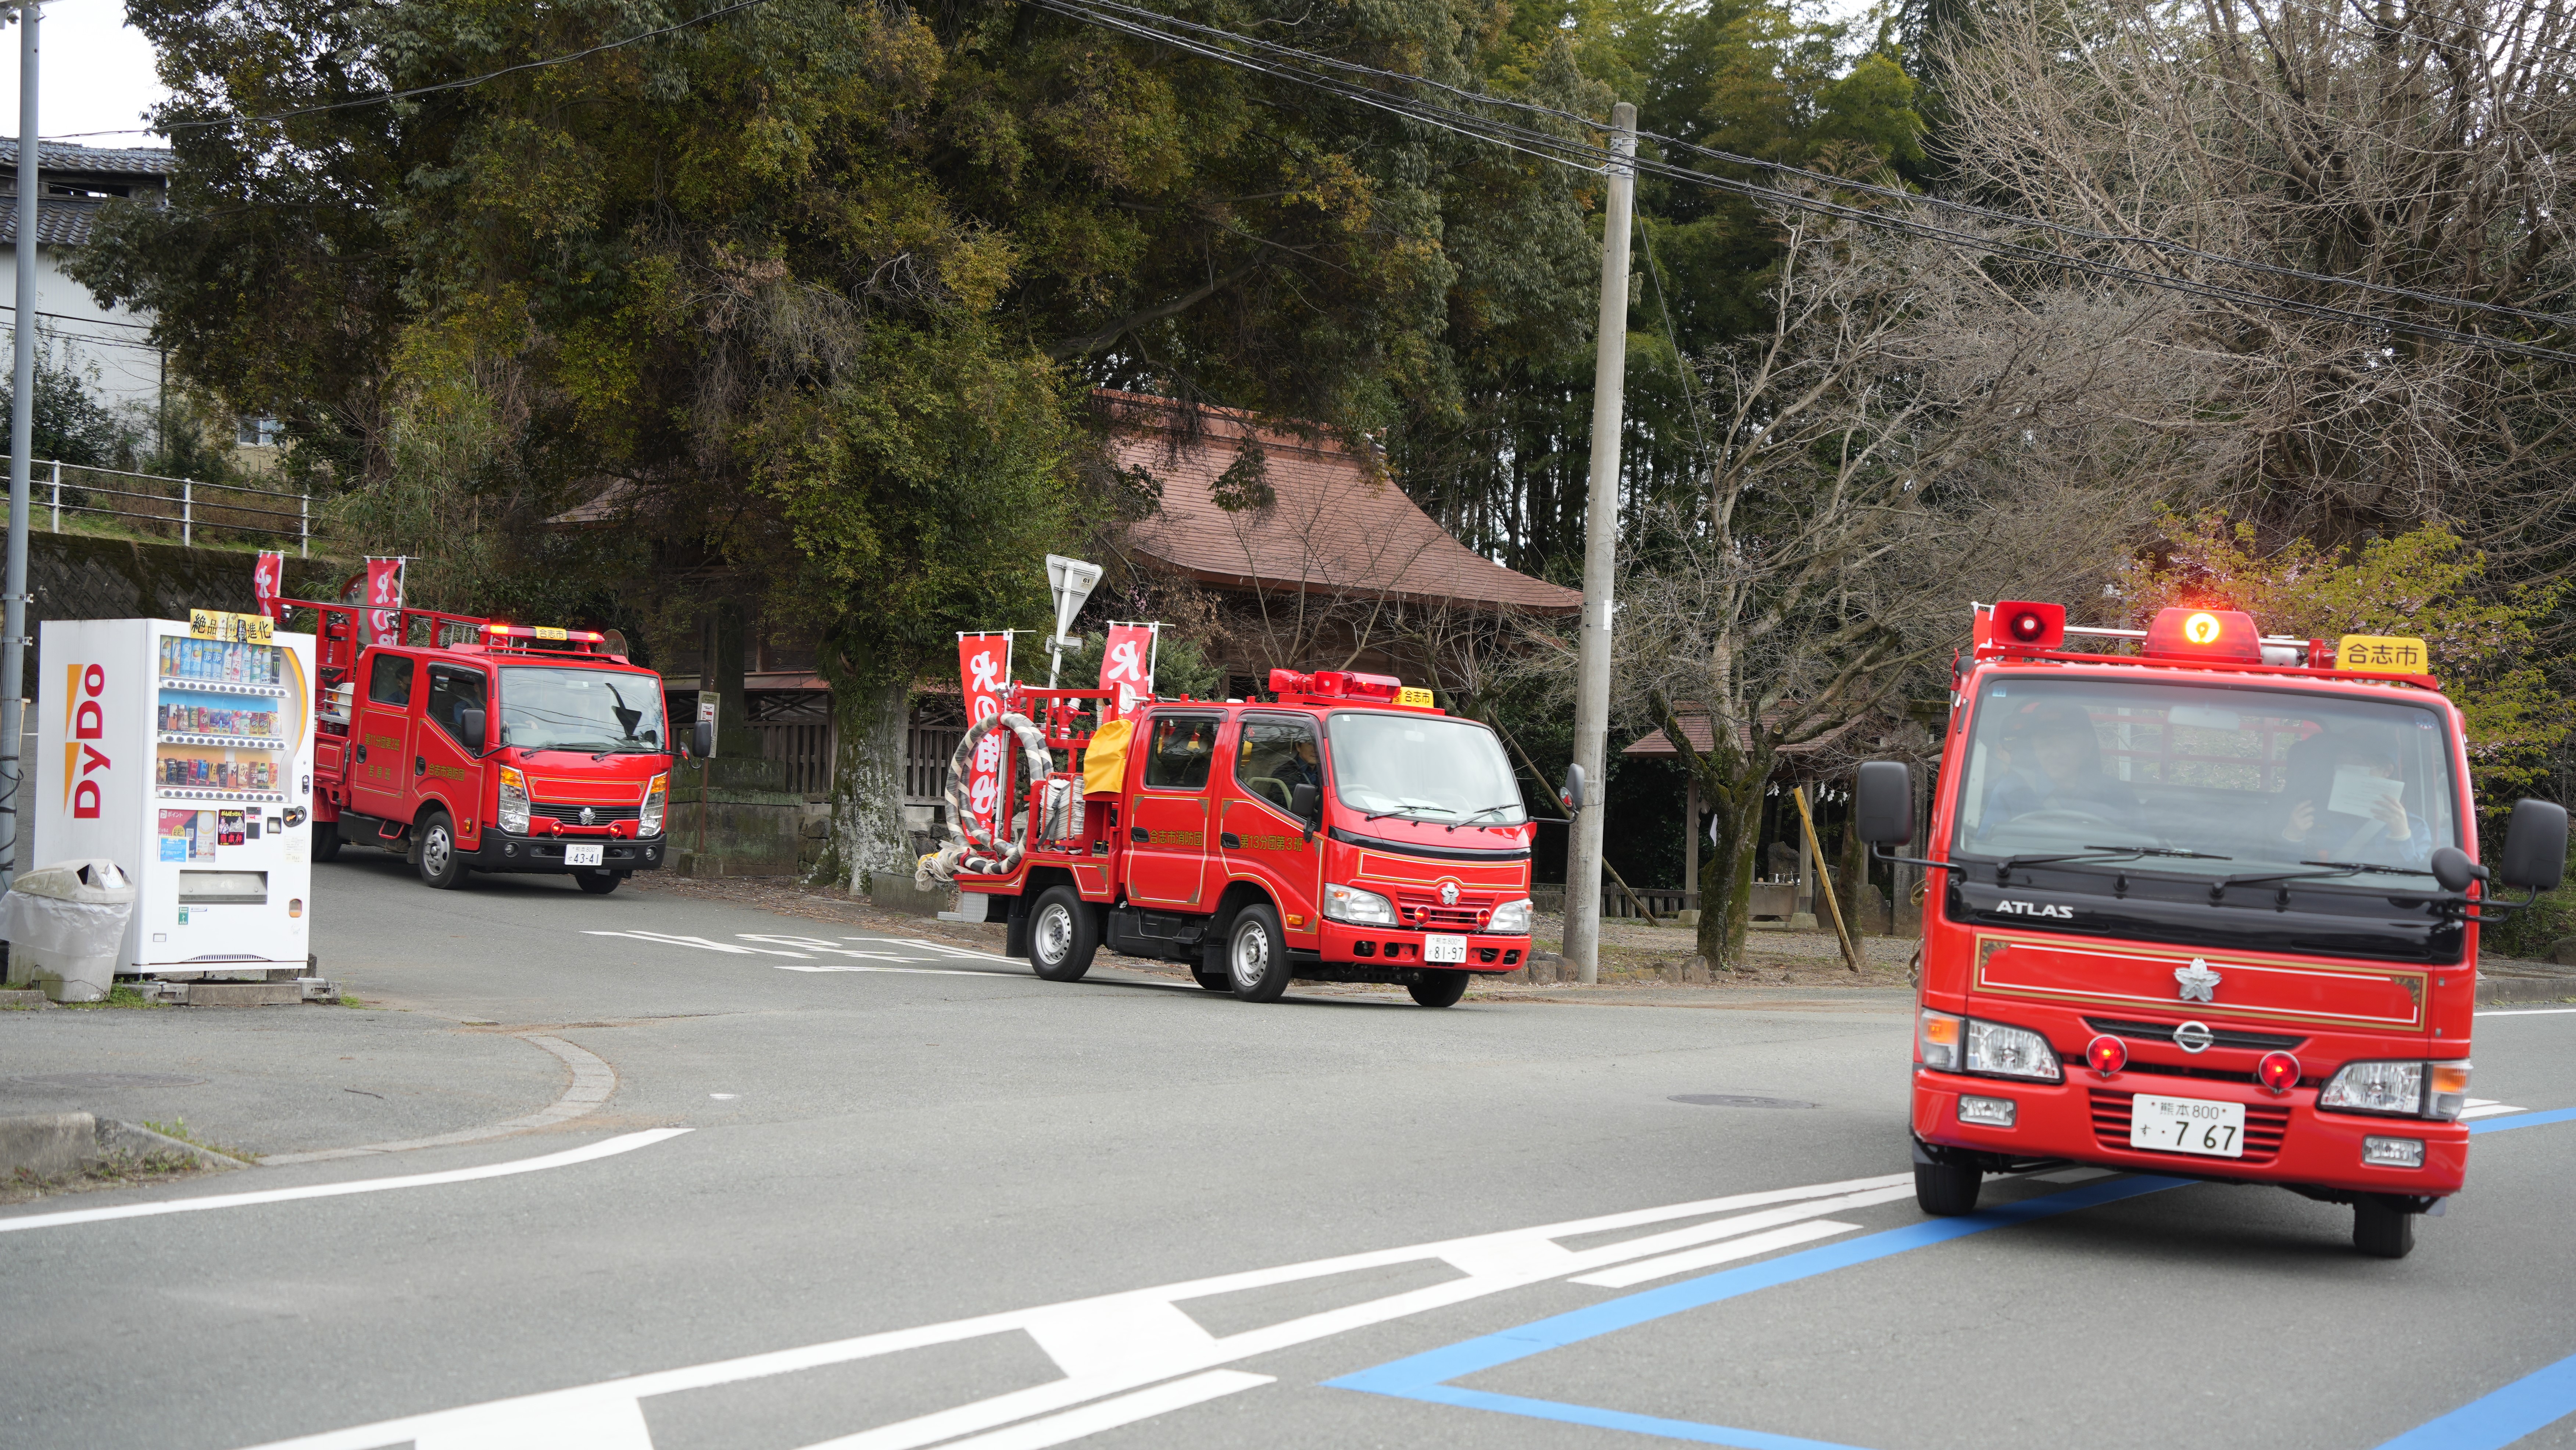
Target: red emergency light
(1336,685)
(2278,1072)
(2107,1054)
(2030,625)
(2223,635)
(544,632)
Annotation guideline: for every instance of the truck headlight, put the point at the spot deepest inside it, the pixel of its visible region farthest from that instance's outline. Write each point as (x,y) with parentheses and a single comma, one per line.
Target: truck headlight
(2413,1089)
(1360,908)
(2010,1052)
(514,802)
(648,821)
(1512,918)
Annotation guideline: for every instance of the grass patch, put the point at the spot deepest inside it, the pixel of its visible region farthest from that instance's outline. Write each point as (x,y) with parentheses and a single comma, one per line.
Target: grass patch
(178,1128)
(121,995)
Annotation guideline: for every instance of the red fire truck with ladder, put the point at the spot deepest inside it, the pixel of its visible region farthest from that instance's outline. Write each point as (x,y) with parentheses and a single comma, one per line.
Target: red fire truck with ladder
(486,746)
(1348,831)
(2206,905)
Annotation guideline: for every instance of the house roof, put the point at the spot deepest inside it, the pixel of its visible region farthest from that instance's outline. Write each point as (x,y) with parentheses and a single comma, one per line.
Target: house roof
(91,160)
(1338,524)
(61,221)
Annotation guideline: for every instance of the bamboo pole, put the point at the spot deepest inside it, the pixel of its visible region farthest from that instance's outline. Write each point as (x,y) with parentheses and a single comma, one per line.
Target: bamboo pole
(1825,878)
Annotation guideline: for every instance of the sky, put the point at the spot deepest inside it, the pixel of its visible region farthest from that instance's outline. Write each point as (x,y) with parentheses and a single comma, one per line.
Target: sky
(97,74)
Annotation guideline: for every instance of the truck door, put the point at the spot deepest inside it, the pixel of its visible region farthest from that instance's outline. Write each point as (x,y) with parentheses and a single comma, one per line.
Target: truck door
(380,782)
(1257,836)
(451,768)
(1167,818)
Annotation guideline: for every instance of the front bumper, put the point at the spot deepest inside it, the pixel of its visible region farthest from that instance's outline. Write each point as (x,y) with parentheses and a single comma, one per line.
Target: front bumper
(2287,1141)
(1394,946)
(500,851)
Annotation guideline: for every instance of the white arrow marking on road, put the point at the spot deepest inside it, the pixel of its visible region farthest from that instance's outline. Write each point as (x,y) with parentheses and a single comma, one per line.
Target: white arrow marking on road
(670,940)
(1725,1253)
(623,1143)
(1087,1338)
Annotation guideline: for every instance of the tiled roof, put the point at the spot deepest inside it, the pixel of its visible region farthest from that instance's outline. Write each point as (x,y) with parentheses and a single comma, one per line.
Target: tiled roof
(1338,525)
(94,160)
(61,221)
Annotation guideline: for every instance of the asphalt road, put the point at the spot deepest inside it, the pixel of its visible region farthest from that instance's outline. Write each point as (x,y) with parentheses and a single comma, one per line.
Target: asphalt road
(919,1198)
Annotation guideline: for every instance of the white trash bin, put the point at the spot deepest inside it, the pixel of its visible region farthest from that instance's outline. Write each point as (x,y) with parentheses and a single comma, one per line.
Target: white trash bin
(65,925)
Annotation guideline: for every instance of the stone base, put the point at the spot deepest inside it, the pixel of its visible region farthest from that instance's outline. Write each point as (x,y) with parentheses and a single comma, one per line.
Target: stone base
(897,893)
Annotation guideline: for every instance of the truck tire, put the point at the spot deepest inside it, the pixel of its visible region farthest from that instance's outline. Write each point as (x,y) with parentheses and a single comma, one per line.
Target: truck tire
(1946,1190)
(326,840)
(1256,955)
(1063,935)
(598,883)
(2382,1232)
(1439,989)
(440,864)
(1216,981)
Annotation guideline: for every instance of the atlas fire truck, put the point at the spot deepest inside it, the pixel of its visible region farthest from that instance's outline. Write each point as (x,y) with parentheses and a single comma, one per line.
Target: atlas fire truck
(1347,831)
(2206,904)
(486,747)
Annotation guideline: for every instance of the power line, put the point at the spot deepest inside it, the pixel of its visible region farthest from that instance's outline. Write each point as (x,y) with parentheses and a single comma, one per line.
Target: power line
(1298,66)
(386,97)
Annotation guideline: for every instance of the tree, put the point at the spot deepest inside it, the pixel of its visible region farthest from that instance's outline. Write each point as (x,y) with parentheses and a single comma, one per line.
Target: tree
(804,298)
(1893,446)
(70,425)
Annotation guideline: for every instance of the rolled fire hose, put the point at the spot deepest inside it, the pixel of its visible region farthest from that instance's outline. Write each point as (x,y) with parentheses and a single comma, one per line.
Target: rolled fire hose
(970,848)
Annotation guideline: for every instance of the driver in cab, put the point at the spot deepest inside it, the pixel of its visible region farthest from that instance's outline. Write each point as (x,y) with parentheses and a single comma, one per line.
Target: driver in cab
(2053,764)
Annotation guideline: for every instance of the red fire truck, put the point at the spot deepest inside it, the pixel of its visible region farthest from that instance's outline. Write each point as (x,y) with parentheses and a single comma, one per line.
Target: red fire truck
(2206,905)
(487,747)
(1346,832)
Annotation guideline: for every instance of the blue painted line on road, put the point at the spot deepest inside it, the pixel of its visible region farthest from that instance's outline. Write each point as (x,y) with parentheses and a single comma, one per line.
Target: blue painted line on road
(2530,1403)
(1422,1376)
(2522,1120)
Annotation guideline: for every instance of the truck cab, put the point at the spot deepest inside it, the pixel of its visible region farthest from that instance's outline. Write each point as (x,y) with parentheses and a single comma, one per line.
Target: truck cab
(488,747)
(2206,905)
(1345,831)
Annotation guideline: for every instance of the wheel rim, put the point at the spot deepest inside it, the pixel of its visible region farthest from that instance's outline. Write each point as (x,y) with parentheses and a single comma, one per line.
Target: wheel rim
(1054,935)
(434,851)
(1250,957)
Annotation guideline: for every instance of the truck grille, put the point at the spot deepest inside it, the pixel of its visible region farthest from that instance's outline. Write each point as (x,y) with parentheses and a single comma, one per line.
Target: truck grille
(571,815)
(2265,1127)
(2218,1036)
(1422,909)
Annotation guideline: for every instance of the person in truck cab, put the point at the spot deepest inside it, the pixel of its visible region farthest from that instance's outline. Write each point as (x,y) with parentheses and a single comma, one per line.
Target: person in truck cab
(2345,801)
(2054,764)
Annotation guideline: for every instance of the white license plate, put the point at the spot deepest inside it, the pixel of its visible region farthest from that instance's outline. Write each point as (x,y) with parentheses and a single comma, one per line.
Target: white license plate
(2187,1125)
(1444,949)
(581,855)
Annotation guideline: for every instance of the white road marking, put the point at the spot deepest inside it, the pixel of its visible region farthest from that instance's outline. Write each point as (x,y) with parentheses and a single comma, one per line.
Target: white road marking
(623,1143)
(669,939)
(2478,1109)
(898,971)
(602,1414)
(592,1082)
(947,950)
(2531,1012)
(2075,1175)
(1744,1248)
(1110,1414)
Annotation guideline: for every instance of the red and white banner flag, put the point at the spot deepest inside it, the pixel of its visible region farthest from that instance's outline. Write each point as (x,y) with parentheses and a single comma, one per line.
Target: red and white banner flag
(984,668)
(268,582)
(384,601)
(1127,667)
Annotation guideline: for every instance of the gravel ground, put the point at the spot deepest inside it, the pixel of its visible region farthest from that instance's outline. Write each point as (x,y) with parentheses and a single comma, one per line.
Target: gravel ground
(1635,956)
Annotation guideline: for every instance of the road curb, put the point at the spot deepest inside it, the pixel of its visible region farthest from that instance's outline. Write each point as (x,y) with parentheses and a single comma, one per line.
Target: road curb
(2494,991)
(593,1080)
(56,1145)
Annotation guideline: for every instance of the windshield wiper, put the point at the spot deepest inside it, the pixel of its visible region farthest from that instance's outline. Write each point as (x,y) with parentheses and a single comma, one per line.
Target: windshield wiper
(1402,811)
(1471,815)
(2004,868)
(2367,866)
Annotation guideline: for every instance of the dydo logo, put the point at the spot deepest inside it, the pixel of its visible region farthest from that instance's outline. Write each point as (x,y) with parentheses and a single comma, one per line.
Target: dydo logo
(84,720)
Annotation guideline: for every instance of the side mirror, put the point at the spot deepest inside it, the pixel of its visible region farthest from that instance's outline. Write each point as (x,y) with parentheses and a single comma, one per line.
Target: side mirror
(2453,869)
(702,739)
(1306,804)
(470,721)
(2535,846)
(1883,803)
(1572,796)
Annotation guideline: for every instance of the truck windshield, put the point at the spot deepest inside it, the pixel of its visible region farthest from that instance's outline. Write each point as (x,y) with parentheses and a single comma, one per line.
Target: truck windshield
(551,708)
(2206,813)
(1423,767)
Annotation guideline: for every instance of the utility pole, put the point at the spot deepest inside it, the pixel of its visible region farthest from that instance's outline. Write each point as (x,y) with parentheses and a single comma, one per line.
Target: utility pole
(1600,559)
(22,433)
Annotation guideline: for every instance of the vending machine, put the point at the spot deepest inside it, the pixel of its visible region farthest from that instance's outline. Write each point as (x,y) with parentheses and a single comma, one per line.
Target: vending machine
(183,751)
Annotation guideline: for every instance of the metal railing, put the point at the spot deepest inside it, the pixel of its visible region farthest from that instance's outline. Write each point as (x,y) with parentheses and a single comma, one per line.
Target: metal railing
(186,503)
